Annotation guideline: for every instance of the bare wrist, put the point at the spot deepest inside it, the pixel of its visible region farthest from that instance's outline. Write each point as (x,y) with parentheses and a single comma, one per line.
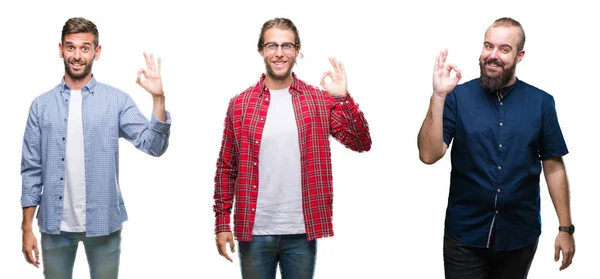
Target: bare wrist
(435,97)
(159,98)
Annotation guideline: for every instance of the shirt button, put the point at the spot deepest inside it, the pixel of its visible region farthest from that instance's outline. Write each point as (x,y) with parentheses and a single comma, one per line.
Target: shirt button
(501,124)
(254,186)
(267,99)
(60,197)
(63,138)
(500,145)
(499,167)
(501,103)
(261,119)
(252,209)
(61,178)
(498,190)
(62,159)
(256,142)
(255,163)
(496,211)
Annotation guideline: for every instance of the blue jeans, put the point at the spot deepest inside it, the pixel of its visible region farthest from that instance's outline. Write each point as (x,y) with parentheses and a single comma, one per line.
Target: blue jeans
(59,250)
(296,257)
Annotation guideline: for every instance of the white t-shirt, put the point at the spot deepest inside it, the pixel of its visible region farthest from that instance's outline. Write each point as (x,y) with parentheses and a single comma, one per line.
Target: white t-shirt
(279,205)
(74,208)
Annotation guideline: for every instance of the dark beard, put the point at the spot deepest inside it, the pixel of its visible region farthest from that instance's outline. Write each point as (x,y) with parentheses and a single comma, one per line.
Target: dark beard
(76,76)
(494,84)
(274,76)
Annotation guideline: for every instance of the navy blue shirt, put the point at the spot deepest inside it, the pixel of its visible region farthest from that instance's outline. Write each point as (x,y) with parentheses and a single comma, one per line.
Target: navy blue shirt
(496,162)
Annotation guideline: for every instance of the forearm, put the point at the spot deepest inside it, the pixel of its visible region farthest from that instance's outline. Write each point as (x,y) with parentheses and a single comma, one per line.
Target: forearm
(558,187)
(224,193)
(158,108)
(154,139)
(28,213)
(151,137)
(31,162)
(223,204)
(222,219)
(431,140)
(349,125)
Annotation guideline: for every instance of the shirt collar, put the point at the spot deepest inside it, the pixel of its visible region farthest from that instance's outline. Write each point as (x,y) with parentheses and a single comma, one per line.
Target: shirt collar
(506,90)
(296,85)
(89,87)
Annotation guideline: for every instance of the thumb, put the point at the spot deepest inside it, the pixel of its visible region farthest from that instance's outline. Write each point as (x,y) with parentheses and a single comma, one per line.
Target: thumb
(322,83)
(37,253)
(458,75)
(139,76)
(232,244)
(556,253)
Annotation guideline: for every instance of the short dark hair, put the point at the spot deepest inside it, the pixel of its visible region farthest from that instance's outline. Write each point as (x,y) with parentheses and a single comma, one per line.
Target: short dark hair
(80,25)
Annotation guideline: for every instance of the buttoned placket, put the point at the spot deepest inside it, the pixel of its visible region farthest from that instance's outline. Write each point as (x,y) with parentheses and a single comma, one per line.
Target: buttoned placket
(64,95)
(500,148)
(264,99)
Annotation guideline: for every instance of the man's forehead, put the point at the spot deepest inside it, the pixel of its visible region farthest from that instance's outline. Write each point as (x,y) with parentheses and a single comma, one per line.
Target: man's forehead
(502,34)
(279,32)
(75,42)
(79,36)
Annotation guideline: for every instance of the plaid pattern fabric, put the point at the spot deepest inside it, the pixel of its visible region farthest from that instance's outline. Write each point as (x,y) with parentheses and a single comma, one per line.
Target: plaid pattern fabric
(317,116)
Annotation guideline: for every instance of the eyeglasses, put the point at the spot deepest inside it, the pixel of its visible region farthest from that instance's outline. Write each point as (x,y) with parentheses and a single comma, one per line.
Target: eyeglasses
(287,48)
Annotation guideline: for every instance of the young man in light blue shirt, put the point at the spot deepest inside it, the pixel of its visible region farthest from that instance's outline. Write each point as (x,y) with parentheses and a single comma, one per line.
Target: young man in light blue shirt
(70,160)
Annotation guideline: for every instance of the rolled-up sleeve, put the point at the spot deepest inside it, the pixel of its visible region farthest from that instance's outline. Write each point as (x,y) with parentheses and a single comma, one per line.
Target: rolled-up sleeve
(151,137)
(31,161)
(349,125)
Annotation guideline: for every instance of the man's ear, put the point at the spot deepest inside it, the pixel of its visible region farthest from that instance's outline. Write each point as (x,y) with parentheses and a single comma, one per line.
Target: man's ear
(520,55)
(97,52)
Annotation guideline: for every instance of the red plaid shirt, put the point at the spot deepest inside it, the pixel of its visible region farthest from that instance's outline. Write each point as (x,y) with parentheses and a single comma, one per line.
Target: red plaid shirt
(317,115)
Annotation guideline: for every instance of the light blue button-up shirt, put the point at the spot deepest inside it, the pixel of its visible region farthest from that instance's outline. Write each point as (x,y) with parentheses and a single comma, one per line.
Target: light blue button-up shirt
(107,115)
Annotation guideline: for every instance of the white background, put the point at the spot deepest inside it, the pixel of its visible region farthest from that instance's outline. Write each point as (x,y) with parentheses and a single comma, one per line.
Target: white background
(389,207)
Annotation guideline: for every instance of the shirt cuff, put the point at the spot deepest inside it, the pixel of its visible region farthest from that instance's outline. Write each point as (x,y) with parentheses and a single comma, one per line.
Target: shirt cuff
(159,126)
(557,153)
(29,200)
(222,228)
(346,102)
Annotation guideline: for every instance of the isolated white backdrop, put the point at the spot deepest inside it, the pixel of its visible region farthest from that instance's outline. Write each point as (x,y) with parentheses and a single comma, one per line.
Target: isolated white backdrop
(388,208)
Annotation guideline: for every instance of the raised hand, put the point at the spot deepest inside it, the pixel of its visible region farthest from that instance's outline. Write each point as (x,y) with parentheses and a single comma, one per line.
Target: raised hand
(338,87)
(443,84)
(152,81)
